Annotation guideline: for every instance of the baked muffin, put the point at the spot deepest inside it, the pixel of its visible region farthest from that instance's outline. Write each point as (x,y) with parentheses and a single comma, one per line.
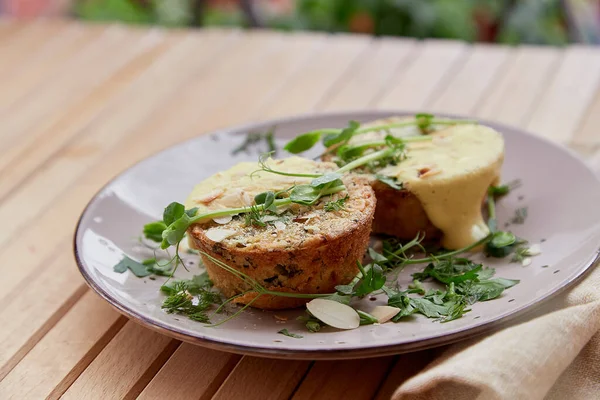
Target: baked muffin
(297,249)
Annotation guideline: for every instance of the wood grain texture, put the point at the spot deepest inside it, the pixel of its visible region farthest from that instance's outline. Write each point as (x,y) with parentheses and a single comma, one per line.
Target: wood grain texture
(519,85)
(26,156)
(49,62)
(564,102)
(471,80)
(127,111)
(430,70)
(19,48)
(192,372)
(278,378)
(348,379)
(31,311)
(60,356)
(371,75)
(44,105)
(124,366)
(404,367)
(305,91)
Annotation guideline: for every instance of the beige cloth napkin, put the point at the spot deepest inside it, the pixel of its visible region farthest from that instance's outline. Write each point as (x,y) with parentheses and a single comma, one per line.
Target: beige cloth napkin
(553,356)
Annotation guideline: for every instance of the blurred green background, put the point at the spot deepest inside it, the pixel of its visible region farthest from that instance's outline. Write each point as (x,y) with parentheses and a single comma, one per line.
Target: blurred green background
(551,22)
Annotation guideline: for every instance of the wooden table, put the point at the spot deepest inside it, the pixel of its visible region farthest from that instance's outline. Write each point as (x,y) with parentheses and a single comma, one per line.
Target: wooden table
(80,103)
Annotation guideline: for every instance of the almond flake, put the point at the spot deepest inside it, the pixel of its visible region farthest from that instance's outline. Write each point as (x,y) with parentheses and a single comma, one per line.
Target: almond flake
(334,314)
(280,226)
(534,250)
(219,234)
(223,220)
(384,313)
(209,197)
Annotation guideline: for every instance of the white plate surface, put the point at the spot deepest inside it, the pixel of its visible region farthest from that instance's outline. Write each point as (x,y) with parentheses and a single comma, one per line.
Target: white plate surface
(562,196)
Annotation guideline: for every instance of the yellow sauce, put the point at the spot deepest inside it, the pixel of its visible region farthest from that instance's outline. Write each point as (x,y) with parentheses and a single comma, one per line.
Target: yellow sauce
(450,176)
(237,186)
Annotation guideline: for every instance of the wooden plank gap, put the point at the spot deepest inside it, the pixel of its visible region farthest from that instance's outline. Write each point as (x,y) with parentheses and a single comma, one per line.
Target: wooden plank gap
(151,371)
(187,374)
(68,380)
(34,338)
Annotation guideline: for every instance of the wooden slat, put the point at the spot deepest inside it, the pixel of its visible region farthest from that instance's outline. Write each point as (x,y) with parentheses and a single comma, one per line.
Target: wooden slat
(306,89)
(128,110)
(16,49)
(265,83)
(26,156)
(278,378)
(564,103)
(8,28)
(469,83)
(436,59)
(192,372)
(46,103)
(372,75)
(139,353)
(48,62)
(48,45)
(30,312)
(78,338)
(588,132)
(519,86)
(405,366)
(353,379)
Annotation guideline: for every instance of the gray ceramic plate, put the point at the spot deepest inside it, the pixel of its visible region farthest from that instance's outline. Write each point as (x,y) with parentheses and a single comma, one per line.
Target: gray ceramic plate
(560,192)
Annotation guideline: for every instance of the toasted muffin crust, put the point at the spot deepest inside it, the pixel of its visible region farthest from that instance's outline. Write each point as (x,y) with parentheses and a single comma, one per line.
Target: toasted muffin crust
(307,250)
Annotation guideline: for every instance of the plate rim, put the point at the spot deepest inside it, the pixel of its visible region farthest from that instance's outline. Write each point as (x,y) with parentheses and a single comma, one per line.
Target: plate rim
(493,325)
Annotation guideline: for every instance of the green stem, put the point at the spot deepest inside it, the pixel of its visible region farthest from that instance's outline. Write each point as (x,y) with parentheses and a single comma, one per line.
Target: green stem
(412,123)
(368,318)
(449,254)
(365,160)
(259,207)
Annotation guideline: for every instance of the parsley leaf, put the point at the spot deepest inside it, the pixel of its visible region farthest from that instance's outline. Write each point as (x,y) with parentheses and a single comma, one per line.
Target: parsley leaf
(336,205)
(332,178)
(372,279)
(254,138)
(173,212)
(289,334)
(520,216)
(424,122)
(138,269)
(451,270)
(391,182)
(344,136)
(303,142)
(153,230)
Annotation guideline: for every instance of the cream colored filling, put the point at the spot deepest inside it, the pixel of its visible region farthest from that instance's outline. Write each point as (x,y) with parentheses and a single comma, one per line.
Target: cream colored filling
(450,176)
(237,186)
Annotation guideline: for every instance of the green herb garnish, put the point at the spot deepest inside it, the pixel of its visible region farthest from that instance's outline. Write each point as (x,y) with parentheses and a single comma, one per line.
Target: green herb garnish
(138,269)
(336,205)
(255,138)
(391,182)
(287,333)
(520,216)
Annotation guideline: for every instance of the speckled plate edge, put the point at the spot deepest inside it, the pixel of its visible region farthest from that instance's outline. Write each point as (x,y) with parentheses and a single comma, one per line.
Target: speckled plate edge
(334,354)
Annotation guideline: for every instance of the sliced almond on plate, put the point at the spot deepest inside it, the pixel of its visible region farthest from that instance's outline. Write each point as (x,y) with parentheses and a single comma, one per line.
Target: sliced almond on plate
(334,314)
(384,313)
